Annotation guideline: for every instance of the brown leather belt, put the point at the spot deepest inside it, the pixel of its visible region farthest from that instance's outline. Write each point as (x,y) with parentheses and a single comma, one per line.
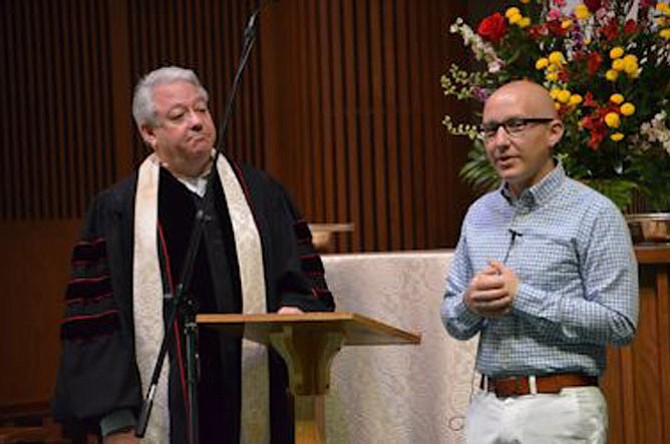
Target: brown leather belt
(520,385)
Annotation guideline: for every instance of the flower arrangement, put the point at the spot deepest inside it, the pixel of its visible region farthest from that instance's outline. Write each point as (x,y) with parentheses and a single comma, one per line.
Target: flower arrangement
(606,64)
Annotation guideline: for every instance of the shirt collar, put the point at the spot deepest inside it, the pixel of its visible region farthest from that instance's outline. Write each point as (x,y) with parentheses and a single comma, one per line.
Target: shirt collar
(541,191)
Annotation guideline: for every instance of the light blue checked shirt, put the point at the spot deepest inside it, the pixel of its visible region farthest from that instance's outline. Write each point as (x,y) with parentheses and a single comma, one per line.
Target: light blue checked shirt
(578,285)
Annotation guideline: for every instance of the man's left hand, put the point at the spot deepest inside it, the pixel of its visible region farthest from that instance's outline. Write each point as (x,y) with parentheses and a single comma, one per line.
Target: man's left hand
(510,279)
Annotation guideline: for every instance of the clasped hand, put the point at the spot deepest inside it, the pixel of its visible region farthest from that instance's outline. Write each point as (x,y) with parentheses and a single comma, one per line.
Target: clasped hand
(491,292)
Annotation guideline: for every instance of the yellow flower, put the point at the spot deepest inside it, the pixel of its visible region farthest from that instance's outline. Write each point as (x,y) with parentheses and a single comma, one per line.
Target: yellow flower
(557,106)
(564,96)
(512,12)
(553,68)
(616,137)
(541,63)
(612,120)
(627,109)
(582,12)
(661,21)
(554,92)
(552,76)
(664,8)
(631,68)
(513,19)
(618,64)
(525,2)
(665,33)
(575,99)
(556,58)
(611,75)
(616,52)
(616,99)
(524,22)
(565,24)
(630,59)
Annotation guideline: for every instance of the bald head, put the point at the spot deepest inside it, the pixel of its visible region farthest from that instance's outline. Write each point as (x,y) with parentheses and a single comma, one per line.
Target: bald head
(521,152)
(532,98)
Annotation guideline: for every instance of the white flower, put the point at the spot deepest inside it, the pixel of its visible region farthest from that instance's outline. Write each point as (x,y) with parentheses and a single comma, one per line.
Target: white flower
(657,131)
(495,66)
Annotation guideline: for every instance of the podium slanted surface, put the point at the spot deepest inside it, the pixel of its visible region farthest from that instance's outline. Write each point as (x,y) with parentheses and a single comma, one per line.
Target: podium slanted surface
(356,328)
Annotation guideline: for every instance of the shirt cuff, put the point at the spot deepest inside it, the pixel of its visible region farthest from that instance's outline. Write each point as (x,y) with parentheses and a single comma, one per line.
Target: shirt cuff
(117,420)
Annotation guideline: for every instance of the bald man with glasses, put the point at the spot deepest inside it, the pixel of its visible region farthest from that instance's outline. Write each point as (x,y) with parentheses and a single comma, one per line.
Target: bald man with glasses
(545,272)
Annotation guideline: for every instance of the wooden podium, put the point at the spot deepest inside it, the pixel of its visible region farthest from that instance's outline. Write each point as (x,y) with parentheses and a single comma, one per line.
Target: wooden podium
(308,343)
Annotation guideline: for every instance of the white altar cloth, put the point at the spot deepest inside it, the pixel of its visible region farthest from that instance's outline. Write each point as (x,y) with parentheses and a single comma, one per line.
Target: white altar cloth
(398,393)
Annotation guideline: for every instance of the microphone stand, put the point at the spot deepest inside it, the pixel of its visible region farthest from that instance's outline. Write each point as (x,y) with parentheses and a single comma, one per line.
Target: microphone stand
(181,302)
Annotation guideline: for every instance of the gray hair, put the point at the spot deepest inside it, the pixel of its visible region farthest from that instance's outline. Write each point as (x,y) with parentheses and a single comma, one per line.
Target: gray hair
(144,111)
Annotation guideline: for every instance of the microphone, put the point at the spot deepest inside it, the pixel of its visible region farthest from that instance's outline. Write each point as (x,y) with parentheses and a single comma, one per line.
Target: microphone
(514,234)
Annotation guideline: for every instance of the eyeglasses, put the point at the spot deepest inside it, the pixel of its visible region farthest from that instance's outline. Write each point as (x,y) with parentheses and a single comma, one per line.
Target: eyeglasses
(514,127)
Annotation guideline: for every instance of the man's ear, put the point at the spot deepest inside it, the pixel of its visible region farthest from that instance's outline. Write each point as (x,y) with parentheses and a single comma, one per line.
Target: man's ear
(556,132)
(148,133)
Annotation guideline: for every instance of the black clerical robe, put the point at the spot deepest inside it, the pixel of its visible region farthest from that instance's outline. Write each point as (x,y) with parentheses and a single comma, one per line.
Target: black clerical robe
(98,374)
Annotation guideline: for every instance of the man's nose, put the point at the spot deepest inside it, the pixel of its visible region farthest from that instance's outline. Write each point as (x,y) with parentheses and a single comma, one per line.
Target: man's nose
(501,138)
(195,120)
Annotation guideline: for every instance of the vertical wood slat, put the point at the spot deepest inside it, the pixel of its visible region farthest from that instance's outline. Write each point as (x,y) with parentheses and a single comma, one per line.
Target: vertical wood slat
(25,185)
(326,67)
(353,196)
(5,153)
(377,124)
(40,152)
(339,166)
(404,90)
(391,93)
(58,92)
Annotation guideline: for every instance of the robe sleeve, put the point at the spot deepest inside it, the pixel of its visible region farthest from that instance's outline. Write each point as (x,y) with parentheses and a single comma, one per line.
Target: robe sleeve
(294,270)
(302,282)
(97,373)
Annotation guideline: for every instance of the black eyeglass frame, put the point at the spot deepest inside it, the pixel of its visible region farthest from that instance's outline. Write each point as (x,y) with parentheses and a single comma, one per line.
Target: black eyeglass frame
(488,131)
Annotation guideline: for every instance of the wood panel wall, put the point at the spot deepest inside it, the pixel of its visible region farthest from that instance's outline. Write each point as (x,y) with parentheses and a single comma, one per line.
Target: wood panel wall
(341,102)
(357,109)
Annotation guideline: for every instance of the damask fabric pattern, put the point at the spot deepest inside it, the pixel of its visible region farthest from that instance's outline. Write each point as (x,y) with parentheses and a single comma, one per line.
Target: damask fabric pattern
(398,393)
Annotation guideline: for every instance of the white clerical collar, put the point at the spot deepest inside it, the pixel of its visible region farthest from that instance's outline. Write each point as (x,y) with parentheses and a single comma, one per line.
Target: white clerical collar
(197,184)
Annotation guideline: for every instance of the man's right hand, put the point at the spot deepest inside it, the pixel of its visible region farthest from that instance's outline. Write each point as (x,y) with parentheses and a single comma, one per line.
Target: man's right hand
(487,294)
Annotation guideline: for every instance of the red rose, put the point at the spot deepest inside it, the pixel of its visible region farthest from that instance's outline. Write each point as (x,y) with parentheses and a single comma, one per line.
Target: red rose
(630,26)
(493,28)
(611,30)
(593,5)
